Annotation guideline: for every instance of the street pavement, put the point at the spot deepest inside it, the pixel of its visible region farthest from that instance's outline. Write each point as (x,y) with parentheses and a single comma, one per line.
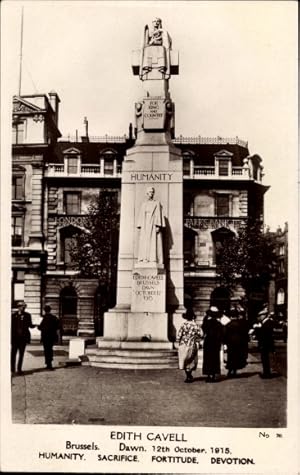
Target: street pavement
(91,395)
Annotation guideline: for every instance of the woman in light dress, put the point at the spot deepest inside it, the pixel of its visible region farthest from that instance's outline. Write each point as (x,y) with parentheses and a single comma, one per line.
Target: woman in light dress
(189,336)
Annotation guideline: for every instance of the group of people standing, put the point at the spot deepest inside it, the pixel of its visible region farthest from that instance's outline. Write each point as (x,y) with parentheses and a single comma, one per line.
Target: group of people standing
(229,330)
(21,324)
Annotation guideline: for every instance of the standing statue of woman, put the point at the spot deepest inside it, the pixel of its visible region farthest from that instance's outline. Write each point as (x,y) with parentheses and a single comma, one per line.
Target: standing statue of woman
(150,222)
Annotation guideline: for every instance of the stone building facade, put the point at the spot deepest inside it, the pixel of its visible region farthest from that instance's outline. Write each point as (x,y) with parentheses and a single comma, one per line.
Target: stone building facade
(54,181)
(34,135)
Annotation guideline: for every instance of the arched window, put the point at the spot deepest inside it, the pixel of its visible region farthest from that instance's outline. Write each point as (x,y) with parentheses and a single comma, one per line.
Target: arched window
(68,311)
(189,246)
(187,157)
(68,242)
(109,162)
(219,236)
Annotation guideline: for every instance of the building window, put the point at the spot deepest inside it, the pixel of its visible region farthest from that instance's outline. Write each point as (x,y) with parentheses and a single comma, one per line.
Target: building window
(68,245)
(108,166)
(68,311)
(219,238)
(186,166)
(187,160)
(222,205)
(18,133)
(223,167)
(17,225)
(17,187)
(18,286)
(108,160)
(72,165)
(72,202)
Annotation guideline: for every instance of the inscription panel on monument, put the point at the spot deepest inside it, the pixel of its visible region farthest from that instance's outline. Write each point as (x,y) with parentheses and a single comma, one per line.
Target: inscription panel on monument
(154,114)
(148,291)
(161,176)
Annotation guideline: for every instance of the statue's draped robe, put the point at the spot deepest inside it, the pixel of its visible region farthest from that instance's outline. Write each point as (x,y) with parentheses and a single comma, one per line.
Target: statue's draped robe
(150,247)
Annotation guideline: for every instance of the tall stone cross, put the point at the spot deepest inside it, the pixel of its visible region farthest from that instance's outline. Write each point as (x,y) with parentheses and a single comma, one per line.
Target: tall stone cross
(150,261)
(154,63)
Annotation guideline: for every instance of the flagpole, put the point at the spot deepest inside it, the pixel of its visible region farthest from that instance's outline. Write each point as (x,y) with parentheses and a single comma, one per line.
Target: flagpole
(21,52)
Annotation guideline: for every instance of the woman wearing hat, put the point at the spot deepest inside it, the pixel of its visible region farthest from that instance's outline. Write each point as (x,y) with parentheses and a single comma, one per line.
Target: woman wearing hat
(189,336)
(213,338)
(236,339)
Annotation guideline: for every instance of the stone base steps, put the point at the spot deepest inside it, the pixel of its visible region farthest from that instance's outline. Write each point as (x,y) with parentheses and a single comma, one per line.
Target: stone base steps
(131,358)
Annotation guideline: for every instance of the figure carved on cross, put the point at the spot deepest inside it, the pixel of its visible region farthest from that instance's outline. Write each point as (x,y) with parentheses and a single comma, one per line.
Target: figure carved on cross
(156,59)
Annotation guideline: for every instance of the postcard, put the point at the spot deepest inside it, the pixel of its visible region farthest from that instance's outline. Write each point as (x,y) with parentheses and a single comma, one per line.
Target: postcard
(149,287)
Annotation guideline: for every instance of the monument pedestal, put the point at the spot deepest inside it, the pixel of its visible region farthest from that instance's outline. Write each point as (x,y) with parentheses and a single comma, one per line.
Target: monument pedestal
(148,290)
(150,262)
(139,327)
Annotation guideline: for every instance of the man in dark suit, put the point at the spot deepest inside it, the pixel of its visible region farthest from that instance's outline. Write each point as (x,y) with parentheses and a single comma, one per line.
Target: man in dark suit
(264,331)
(20,335)
(49,327)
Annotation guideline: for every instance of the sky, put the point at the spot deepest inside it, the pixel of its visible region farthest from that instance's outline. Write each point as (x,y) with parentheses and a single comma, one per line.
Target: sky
(237,72)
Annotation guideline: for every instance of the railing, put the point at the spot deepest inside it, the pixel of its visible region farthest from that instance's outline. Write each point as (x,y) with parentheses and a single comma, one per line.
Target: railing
(177,140)
(101,139)
(90,169)
(237,171)
(210,141)
(86,171)
(195,172)
(56,168)
(204,170)
(208,171)
(109,138)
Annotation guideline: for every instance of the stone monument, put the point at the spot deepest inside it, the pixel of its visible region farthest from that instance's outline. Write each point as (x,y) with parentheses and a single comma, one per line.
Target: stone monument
(150,261)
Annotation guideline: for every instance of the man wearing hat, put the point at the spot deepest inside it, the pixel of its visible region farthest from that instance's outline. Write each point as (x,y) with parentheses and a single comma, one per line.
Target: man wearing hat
(264,332)
(20,335)
(48,327)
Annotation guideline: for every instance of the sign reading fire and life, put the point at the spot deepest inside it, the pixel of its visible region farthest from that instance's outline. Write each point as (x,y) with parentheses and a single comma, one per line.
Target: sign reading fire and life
(154,114)
(148,291)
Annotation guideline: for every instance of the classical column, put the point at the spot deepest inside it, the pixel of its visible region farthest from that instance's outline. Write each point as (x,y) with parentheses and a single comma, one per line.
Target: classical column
(36,231)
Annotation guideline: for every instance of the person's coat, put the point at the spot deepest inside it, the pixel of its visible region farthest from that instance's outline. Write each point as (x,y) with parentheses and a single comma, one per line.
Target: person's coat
(49,328)
(265,335)
(20,324)
(213,338)
(236,339)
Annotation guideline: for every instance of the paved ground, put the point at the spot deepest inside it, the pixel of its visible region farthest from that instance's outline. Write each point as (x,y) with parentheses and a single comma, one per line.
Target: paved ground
(89,395)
